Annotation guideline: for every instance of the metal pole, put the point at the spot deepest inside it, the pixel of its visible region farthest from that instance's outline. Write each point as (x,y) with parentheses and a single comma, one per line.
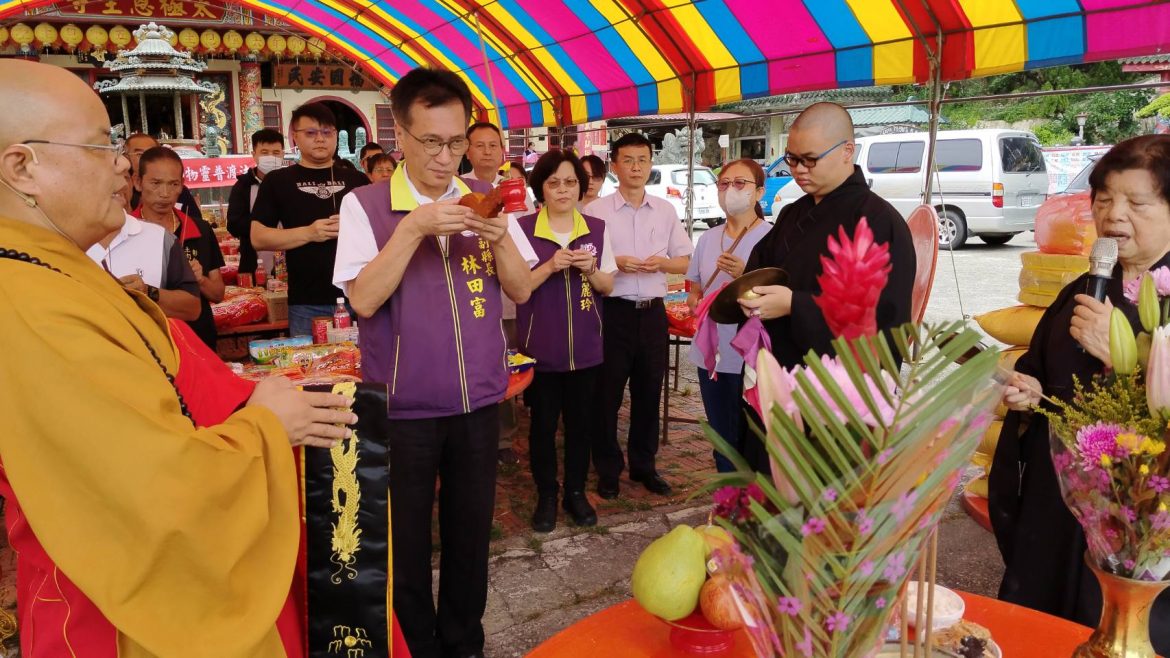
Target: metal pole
(935,109)
(178,104)
(691,127)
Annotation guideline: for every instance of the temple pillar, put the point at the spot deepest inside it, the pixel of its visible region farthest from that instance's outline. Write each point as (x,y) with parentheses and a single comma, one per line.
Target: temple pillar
(251,101)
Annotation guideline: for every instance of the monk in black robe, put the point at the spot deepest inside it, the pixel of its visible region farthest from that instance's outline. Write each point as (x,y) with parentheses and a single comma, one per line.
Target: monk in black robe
(820,154)
(1042,544)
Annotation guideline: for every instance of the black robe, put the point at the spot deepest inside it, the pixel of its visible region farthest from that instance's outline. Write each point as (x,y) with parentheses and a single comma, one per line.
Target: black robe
(1042,544)
(796,244)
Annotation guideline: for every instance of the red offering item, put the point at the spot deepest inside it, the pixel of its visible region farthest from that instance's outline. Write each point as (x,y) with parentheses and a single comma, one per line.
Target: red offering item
(244,280)
(680,320)
(239,310)
(694,635)
(1064,225)
(261,276)
(321,329)
(512,191)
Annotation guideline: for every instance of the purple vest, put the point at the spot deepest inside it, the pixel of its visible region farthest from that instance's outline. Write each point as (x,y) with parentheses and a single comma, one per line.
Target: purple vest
(560,324)
(438,342)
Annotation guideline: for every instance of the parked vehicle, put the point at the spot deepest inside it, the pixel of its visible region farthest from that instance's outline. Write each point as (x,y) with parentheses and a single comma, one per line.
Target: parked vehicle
(670,183)
(989,183)
(776,176)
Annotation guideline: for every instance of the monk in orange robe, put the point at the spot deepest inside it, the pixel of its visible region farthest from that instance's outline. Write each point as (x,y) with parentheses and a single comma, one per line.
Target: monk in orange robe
(139,533)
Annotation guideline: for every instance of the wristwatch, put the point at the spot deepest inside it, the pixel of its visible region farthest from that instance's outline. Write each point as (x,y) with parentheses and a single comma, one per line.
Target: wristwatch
(152,293)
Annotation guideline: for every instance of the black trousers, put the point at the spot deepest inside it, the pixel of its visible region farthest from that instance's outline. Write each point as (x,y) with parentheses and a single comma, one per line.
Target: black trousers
(459,451)
(636,348)
(573,395)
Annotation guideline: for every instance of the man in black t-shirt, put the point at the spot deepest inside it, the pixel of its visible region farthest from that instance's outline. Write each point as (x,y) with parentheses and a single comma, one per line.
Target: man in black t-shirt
(159,179)
(304,199)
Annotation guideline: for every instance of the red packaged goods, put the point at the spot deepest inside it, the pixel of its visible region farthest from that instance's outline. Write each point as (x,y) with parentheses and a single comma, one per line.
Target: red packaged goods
(238,311)
(244,280)
(321,327)
(1064,225)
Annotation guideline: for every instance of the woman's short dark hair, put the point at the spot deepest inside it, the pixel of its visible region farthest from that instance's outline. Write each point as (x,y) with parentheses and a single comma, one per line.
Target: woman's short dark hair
(1148,152)
(757,174)
(597,166)
(430,87)
(379,159)
(548,164)
(158,154)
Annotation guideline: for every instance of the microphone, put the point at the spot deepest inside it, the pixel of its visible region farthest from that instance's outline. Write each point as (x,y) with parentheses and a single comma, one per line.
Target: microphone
(1101,262)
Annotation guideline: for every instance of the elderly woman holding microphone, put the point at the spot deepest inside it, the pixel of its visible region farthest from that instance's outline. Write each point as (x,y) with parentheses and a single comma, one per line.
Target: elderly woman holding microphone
(719,257)
(1043,547)
(560,326)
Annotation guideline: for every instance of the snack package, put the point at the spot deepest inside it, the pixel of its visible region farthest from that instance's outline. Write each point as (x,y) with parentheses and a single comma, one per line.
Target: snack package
(518,362)
(264,351)
(239,310)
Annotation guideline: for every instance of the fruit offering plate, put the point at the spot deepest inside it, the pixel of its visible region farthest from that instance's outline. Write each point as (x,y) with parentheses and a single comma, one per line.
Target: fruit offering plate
(694,635)
(894,650)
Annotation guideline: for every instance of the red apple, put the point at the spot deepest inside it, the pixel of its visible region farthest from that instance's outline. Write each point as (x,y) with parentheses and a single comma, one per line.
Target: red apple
(718,605)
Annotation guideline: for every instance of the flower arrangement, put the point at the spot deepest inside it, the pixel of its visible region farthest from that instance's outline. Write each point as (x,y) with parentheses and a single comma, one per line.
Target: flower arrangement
(1109,442)
(866,448)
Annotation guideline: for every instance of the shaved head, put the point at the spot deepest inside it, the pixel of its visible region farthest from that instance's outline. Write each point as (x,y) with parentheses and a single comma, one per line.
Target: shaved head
(829,119)
(56,165)
(822,139)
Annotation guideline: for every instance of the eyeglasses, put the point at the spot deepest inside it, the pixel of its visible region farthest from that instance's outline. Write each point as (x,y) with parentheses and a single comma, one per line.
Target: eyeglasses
(738,184)
(118,148)
(630,162)
(434,145)
(314,133)
(568,183)
(811,161)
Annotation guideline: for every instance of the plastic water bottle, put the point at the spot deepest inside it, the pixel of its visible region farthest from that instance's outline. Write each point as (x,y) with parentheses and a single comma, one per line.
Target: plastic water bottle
(341,319)
(261,274)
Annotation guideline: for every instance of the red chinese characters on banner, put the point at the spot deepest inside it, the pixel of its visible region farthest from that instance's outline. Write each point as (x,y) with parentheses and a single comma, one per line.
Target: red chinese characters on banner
(215,172)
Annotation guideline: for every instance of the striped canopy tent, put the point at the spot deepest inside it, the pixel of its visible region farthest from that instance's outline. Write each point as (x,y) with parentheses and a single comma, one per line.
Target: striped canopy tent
(565,62)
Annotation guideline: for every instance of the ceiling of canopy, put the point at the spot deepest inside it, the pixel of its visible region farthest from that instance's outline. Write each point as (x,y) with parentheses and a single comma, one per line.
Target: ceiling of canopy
(565,62)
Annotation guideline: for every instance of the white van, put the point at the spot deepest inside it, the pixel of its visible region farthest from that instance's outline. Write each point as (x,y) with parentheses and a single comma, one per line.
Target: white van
(989,184)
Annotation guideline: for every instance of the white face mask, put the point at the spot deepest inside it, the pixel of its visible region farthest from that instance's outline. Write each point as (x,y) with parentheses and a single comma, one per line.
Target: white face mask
(269,163)
(736,202)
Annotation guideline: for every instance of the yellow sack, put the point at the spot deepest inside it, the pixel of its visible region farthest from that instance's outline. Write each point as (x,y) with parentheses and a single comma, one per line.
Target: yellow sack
(977,487)
(987,445)
(1060,262)
(1013,325)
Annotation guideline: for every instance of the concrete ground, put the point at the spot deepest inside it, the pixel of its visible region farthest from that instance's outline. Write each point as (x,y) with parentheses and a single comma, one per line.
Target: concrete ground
(541,584)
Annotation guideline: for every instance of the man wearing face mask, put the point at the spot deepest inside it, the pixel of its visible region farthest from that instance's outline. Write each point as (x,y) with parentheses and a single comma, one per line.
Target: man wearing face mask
(268,152)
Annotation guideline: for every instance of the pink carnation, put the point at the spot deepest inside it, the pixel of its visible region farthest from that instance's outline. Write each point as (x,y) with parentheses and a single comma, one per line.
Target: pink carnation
(1161,284)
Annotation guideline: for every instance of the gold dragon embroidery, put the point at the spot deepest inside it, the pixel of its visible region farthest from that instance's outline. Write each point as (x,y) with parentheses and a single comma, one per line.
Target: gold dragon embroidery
(346,495)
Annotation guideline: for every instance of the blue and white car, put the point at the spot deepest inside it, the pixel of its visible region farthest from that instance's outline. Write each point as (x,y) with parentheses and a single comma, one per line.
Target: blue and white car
(776,176)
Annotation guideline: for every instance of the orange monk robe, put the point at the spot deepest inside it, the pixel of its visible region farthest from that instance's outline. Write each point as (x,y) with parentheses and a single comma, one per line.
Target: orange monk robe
(184,539)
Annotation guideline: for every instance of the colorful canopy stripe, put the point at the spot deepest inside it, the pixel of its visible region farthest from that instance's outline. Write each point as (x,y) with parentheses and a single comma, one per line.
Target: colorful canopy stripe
(565,62)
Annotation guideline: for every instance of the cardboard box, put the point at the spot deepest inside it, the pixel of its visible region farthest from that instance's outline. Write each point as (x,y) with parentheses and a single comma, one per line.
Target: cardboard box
(277,306)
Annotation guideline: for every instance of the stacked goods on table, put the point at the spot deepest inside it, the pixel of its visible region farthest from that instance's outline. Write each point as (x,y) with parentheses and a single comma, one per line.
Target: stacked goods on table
(240,307)
(302,361)
(1065,236)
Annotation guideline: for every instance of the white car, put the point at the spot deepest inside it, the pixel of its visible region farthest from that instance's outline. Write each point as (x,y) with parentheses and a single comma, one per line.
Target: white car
(670,183)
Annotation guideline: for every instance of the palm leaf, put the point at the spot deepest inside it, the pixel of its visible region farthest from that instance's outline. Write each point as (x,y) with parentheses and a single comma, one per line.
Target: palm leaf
(843,554)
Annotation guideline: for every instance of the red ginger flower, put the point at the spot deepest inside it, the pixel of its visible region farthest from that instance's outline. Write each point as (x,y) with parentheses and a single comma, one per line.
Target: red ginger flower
(852,281)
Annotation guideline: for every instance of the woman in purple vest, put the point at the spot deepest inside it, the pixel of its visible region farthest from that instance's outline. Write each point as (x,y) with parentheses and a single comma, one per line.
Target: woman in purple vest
(560,326)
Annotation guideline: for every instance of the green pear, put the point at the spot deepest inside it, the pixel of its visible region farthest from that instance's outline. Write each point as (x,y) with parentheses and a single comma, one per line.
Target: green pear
(670,573)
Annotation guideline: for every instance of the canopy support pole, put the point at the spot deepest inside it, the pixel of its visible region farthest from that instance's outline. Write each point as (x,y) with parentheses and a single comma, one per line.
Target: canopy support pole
(142,112)
(691,127)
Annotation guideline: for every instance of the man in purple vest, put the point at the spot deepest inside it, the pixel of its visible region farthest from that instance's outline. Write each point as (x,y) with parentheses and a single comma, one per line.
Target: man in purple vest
(426,274)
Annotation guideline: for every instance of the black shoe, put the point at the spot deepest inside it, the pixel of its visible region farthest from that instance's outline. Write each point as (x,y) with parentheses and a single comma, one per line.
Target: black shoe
(544,519)
(579,508)
(508,456)
(654,483)
(608,489)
